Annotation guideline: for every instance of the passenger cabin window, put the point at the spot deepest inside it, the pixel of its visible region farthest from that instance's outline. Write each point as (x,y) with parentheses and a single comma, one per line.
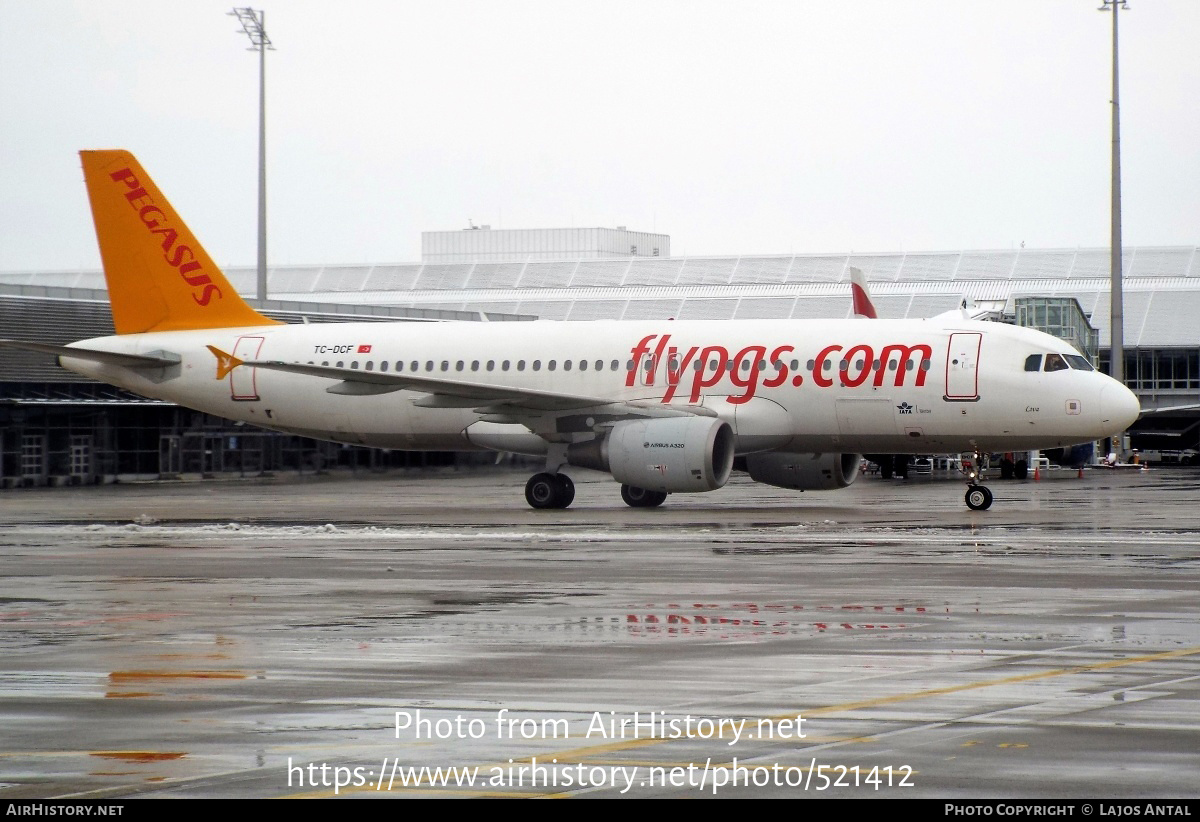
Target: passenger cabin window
(1055,362)
(1033,362)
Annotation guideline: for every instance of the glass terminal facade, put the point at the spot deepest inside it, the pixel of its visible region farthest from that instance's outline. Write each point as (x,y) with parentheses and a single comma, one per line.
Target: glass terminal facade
(1060,317)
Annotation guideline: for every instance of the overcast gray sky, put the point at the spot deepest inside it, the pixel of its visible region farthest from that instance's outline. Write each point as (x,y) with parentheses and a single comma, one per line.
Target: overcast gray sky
(737,128)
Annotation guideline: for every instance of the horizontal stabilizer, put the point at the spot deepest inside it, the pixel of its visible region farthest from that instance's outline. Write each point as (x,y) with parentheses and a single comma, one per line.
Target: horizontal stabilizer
(157,359)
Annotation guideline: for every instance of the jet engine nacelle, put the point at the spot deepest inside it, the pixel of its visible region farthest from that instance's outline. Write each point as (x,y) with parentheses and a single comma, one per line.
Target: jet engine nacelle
(675,455)
(804,472)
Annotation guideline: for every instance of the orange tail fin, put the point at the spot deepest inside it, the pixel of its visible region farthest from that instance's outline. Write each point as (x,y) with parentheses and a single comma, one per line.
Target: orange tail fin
(159,276)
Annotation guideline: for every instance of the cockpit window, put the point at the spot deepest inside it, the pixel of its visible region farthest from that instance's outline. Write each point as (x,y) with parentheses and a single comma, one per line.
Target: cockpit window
(1079,363)
(1033,362)
(1055,362)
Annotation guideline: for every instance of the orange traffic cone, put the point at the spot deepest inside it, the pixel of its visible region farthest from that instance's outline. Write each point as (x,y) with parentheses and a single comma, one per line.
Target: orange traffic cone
(1037,473)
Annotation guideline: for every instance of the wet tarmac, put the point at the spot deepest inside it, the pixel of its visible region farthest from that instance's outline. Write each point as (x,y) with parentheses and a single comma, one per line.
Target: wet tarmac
(334,636)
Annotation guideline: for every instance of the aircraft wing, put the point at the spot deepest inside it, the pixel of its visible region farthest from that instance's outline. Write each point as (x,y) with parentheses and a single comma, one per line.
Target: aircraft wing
(155,359)
(1189,407)
(448,393)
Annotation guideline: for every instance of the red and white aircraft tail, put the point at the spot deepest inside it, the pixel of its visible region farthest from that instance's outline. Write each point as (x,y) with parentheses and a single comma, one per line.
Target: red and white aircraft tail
(863,307)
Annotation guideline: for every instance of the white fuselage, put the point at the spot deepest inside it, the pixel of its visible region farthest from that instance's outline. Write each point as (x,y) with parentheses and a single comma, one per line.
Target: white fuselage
(879,386)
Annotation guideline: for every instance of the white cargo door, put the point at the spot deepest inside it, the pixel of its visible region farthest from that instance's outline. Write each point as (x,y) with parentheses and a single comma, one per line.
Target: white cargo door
(962,366)
(242,379)
(865,420)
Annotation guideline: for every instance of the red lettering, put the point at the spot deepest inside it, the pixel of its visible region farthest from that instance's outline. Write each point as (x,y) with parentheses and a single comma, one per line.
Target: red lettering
(656,360)
(819,364)
(637,352)
(206,294)
(181,257)
(706,377)
(906,353)
(746,362)
(136,196)
(169,236)
(864,372)
(126,176)
(176,258)
(147,210)
(782,375)
(711,364)
(676,369)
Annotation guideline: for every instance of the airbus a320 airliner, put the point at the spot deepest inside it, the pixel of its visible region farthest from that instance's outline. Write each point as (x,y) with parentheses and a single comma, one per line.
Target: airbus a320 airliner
(663,407)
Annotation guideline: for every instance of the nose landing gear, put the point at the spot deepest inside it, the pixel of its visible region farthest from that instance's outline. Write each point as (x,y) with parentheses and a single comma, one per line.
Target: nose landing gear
(979,497)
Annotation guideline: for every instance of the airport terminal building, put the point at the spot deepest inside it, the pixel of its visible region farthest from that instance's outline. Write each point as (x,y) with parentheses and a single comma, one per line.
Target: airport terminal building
(58,428)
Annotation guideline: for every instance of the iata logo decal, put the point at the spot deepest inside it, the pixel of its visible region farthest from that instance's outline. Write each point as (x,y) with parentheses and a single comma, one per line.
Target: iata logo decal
(753,366)
(904,408)
(177,255)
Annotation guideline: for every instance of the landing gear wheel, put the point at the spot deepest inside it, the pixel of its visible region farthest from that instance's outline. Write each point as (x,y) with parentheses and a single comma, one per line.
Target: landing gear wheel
(642,498)
(979,498)
(887,467)
(566,490)
(549,491)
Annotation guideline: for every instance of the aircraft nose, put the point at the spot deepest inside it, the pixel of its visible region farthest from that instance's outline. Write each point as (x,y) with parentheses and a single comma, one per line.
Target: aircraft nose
(1119,405)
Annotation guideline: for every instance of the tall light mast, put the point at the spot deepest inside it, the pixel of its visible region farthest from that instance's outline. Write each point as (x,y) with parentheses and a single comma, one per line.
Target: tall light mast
(253,24)
(1116,297)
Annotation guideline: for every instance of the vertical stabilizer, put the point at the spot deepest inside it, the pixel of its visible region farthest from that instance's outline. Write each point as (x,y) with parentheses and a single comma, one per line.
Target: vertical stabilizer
(159,276)
(863,307)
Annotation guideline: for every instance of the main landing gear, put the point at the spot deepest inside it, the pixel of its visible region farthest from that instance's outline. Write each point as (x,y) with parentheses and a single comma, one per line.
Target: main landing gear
(641,498)
(547,490)
(979,497)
